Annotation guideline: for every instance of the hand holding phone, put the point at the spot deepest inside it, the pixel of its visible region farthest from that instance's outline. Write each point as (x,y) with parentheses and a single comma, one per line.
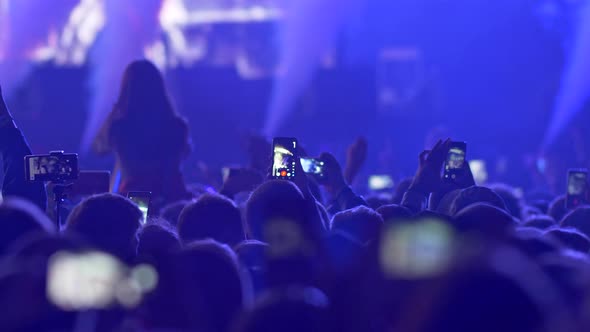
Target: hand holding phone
(577,188)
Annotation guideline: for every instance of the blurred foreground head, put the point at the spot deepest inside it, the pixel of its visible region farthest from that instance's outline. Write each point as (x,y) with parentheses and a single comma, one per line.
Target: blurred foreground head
(108,222)
(202,289)
(211,216)
(292,309)
(20,218)
(278,213)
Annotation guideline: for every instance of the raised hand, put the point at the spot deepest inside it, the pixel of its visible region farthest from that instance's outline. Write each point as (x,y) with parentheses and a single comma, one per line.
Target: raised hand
(428,175)
(355,158)
(334,181)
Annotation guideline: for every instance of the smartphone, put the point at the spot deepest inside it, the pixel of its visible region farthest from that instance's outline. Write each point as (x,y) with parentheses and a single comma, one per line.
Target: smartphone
(142,199)
(479,171)
(455,162)
(314,167)
(55,166)
(577,187)
(284,158)
(380,182)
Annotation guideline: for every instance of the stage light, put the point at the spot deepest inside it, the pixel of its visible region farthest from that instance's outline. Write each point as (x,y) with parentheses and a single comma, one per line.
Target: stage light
(575,82)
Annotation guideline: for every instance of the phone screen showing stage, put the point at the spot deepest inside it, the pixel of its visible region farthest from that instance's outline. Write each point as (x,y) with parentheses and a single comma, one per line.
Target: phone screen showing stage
(284,158)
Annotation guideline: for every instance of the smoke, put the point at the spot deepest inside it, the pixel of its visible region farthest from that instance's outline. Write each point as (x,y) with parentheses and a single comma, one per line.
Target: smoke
(310,29)
(575,81)
(25,25)
(131,26)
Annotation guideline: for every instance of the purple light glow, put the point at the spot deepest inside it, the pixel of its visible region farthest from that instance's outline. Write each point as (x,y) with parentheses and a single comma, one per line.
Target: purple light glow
(575,82)
(309,31)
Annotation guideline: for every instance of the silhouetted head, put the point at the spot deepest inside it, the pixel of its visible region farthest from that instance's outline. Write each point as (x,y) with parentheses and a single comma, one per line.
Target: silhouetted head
(344,253)
(280,203)
(557,209)
(20,218)
(107,221)
(143,92)
(570,271)
(539,199)
(24,278)
(392,213)
(445,204)
(23,302)
(539,221)
(155,239)
(476,194)
(505,291)
(278,214)
(211,216)
(202,289)
(531,211)
(534,242)
(511,198)
(485,219)
(376,200)
(361,223)
(288,310)
(571,238)
(578,219)
(172,211)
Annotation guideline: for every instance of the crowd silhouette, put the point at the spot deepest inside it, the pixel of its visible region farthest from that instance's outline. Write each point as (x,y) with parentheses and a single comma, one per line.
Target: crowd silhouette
(261,254)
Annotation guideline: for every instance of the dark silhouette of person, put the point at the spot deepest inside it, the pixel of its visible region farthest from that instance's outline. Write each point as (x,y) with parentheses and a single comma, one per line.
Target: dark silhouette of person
(288,310)
(21,218)
(155,239)
(578,219)
(13,148)
(149,139)
(201,288)
(571,238)
(211,216)
(361,223)
(108,222)
(557,209)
